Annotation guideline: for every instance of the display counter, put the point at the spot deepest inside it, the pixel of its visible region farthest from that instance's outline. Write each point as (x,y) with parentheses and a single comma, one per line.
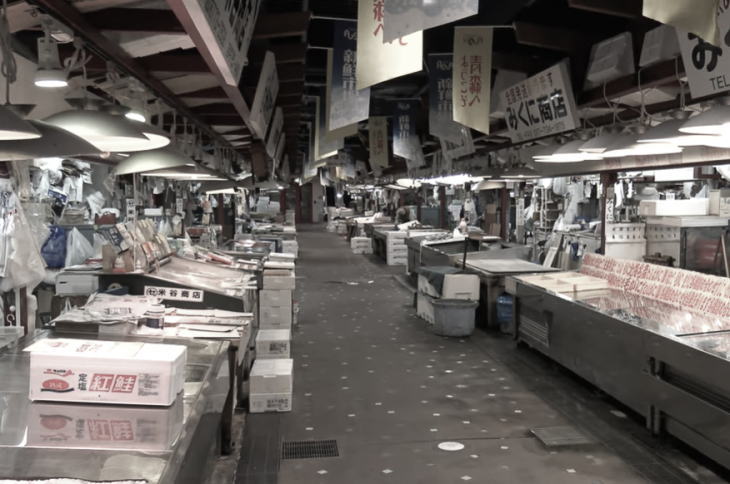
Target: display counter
(160,445)
(667,364)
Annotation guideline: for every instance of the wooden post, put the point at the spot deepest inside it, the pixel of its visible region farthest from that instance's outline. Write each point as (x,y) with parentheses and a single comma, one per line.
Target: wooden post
(504,214)
(282,201)
(443,221)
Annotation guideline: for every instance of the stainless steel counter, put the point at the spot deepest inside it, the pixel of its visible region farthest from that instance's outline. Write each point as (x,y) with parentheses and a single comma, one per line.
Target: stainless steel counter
(101,442)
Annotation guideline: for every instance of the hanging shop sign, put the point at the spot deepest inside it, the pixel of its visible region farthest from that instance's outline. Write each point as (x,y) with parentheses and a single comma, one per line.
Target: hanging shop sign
(377,60)
(695,16)
(707,66)
(472,76)
(378,129)
(277,126)
(279,155)
(226,29)
(440,109)
(175,293)
(265,98)
(406,142)
(348,104)
(541,105)
(331,132)
(403,17)
(131,210)
(324,146)
(463,147)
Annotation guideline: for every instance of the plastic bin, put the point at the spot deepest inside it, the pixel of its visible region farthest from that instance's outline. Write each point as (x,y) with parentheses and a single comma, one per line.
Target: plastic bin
(454,317)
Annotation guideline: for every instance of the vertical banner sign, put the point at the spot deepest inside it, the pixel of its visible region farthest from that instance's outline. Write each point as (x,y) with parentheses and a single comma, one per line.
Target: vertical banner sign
(331,133)
(324,146)
(707,65)
(403,17)
(265,98)
(348,104)
(277,126)
(406,142)
(279,155)
(462,147)
(541,105)
(378,129)
(377,60)
(472,77)
(440,110)
(226,28)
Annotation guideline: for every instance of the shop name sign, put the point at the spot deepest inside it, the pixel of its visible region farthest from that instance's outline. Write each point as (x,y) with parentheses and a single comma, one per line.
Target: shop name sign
(707,65)
(175,293)
(265,97)
(472,76)
(542,105)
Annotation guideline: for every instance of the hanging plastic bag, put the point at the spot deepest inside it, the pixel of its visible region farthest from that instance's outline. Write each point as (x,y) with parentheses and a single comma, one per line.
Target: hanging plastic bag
(78,249)
(54,250)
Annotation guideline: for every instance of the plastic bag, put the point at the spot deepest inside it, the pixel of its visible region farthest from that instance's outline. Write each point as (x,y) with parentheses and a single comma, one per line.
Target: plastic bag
(78,249)
(54,250)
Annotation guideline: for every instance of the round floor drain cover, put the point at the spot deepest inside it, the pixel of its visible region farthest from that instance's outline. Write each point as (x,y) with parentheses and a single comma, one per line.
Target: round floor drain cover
(451,446)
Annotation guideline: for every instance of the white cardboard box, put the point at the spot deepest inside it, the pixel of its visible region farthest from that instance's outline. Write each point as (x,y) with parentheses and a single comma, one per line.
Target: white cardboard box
(108,427)
(74,284)
(275,298)
(275,317)
(277,280)
(461,286)
(694,206)
(270,402)
(118,372)
(272,376)
(273,343)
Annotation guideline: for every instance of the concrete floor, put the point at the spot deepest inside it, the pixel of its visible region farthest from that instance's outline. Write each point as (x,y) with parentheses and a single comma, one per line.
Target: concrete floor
(370,375)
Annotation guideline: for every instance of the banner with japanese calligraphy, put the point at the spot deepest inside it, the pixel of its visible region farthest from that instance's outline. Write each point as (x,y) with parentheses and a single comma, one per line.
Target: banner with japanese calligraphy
(707,66)
(440,110)
(403,17)
(378,142)
(406,142)
(378,61)
(472,76)
(277,125)
(348,104)
(324,146)
(264,99)
(541,105)
(342,132)
(464,146)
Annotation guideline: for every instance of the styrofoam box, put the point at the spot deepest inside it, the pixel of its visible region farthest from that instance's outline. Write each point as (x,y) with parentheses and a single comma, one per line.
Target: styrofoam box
(73,284)
(397,262)
(279,281)
(118,372)
(108,427)
(273,343)
(694,206)
(272,376)
(461,286)
(275,317)
(362,251)
(275,298)
(424,307)
(361,242)
(270,402)
(279,264)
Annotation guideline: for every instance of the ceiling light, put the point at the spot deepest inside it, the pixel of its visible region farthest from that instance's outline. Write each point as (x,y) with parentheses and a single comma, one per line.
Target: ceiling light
(185,173)
(54,142)
(568,153)
(13,127)
(50,74)
(714,121)
(489,185)
(159,159)
(626,145)
(519,173)
(408,183)
(109,132)
(600,143)
(136,116)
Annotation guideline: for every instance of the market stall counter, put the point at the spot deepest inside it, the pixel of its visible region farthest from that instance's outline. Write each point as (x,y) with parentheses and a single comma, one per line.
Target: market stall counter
(156,445)
(665,359)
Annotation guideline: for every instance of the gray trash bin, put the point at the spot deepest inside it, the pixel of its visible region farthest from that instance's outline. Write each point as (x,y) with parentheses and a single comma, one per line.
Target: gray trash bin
(454,317)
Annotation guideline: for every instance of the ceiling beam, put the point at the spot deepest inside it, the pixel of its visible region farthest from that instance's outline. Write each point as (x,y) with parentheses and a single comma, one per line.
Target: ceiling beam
(210,92)
(215,108)
(284,53)
(515,61)
(190,62)
(552,38)
(101,45)
(616,8)
(135,20)
(223,120)
(290,24)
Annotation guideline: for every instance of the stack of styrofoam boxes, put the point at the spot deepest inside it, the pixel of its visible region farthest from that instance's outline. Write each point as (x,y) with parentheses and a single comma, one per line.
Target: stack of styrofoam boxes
(341,227)
(290,247)
(396,249)
(290,217)
(361,245)
(455,286)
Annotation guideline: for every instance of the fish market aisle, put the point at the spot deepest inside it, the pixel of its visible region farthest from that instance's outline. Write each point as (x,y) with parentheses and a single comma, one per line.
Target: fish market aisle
(370,379)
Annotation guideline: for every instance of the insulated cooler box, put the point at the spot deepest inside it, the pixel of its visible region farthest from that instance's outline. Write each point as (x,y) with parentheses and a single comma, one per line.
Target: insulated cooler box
(271,385)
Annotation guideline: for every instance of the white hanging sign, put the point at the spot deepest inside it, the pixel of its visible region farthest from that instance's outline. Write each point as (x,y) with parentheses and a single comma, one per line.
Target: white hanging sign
(707,66)
(403,17)
(378,129)
(348,105)
(472,76)
(377,60)
(277,126)
(175,293)
(541,105)
(265,98)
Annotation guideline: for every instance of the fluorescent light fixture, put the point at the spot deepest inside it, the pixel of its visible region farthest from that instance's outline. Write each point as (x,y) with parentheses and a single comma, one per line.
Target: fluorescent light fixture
(159,159)
(49,73)
(53,142)
(568,153)
(109,132)
(13,127)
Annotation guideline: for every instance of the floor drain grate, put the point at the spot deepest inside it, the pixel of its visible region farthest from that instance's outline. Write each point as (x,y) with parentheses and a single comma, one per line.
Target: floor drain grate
(310,449)
(561,436)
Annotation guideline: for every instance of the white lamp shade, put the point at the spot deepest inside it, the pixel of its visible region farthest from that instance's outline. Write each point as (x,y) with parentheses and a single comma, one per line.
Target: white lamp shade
(54,141)
(626,145)
(159,159)
(568,153)
(13,127)
(489,185)
(600,143)
(714,121)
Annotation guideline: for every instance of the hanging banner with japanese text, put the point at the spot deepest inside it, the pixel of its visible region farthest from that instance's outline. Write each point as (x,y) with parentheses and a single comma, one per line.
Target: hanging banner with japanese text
(378,61)
(265,98)
(324,145)
(331,133)
(403,17)
(541,105)
(707,66)
(277,125)
(349,105)
(462,147)
(378,129)
(406,142)
(440,109)
(472,76)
